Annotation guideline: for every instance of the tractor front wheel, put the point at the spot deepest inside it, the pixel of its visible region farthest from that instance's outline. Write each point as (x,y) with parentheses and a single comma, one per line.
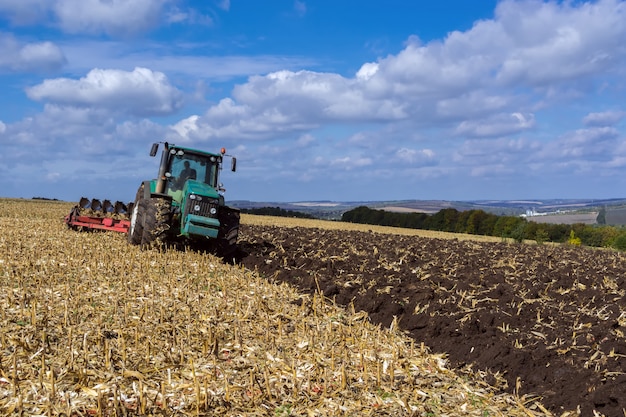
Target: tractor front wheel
(135,232)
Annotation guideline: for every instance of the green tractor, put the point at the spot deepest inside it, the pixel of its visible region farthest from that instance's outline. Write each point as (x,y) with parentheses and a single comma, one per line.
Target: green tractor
(185,203)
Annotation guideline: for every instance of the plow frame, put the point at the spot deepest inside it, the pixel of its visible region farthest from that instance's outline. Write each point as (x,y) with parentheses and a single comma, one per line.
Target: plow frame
(75,220)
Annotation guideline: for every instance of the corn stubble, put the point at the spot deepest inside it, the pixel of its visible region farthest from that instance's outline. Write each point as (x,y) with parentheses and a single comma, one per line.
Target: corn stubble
(94,326)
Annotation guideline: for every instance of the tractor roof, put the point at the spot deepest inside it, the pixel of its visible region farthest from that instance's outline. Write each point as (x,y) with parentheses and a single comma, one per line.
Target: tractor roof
(194,150)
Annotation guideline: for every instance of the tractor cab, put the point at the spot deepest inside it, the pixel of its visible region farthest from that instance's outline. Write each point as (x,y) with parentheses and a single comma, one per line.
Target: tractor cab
(183,167)
(190,169)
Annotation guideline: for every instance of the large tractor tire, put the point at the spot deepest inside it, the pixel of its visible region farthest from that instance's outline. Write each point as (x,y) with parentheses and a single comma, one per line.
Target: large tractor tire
(156,225)
(229,231)
(135,232)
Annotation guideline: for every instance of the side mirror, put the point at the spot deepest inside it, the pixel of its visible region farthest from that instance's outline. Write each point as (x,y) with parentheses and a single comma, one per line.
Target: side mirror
(233,164)
(154,149)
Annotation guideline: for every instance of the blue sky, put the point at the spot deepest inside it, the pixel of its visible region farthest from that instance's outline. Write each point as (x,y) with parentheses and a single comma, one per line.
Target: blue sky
(319,100)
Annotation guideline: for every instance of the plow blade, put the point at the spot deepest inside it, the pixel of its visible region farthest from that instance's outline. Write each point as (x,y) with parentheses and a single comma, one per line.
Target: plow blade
(99,215)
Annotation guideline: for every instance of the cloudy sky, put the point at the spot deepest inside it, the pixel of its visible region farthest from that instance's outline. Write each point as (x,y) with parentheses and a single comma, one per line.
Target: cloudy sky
(319,100)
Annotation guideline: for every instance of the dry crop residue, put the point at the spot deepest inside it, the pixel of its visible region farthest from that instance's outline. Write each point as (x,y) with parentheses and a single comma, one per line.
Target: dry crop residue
(93,326)
(550,319)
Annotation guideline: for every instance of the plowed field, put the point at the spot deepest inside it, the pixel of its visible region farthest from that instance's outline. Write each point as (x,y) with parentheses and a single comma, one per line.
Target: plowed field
(551,319)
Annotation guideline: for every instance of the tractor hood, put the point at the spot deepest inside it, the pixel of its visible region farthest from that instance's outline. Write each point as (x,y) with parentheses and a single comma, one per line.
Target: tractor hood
(200,188)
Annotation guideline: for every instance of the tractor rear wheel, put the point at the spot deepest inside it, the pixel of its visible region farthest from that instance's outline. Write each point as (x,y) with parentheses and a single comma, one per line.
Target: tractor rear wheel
(229,230)
(135,232)
(156,224)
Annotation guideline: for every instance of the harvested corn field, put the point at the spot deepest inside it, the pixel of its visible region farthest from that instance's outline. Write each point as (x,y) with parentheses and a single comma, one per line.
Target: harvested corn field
(91,326)
(549,319)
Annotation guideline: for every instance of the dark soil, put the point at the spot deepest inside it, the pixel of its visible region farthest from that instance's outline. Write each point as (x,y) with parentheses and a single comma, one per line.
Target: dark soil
(551,320)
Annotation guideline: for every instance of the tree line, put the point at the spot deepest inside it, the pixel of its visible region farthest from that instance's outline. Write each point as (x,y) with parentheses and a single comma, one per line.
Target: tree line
(277,211)
(479,222)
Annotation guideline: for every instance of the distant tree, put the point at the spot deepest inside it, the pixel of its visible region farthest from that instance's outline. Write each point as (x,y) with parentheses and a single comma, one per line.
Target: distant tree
(278,212)
(541,236)
(488,224)
(608,236)
(375,217)
(620,241)
(356,215)
(593,235)
(519,233)
(411,220)
(461,223)
(450,218)
(558,232)
(573,240)
(45,198)
(444,220)
(506,225)
(481,223)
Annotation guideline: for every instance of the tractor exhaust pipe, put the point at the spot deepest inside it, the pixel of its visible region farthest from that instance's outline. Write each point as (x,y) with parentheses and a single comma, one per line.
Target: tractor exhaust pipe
(160,184)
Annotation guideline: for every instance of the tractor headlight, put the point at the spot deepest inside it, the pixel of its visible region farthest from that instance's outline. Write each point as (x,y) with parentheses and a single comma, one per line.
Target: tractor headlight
(195,197)
(196,207)
(213,211)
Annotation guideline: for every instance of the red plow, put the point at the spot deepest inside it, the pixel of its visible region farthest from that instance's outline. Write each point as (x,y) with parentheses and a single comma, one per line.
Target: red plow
(100,215)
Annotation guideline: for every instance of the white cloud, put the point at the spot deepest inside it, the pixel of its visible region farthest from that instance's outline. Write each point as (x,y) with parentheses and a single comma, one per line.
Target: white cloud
(592,144)
(53,176)
(305,140)
(488,153)
(25,12)
(555,42)
(35,56)
(292,101)
(415,156)
(113,17)
(474,104)
(3,127)
(141,92)
(192,16)
(174,59)
(43,54)
(367,71)
(228,120)
(497,125)
(177,15)
(185,129)
(528,45)
(346,163)
(299,7)
(607,118)
(223,4)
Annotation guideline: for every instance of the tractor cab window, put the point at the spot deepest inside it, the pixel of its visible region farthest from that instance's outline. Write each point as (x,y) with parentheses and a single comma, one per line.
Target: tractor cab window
(187,166)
